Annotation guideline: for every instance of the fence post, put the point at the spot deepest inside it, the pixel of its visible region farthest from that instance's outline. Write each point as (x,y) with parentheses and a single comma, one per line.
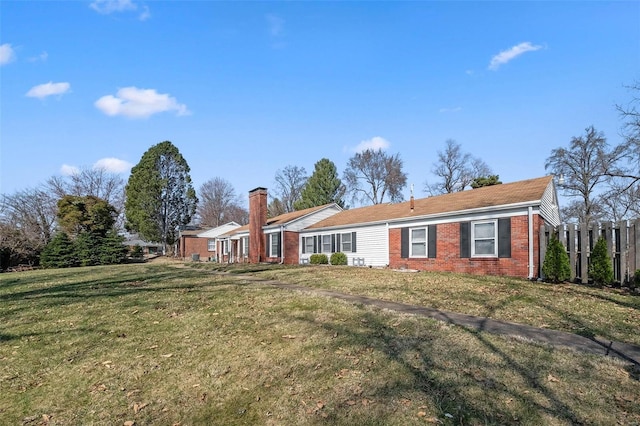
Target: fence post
(584,253)
(571,247)
(622,246)
(636,245)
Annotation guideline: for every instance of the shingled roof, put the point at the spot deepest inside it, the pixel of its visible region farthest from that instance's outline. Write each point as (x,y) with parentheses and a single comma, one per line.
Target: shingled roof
(526,191)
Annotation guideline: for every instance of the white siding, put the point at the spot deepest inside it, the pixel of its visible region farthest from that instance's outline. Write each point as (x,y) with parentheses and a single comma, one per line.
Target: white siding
(220,230)
(549,209)
(313,218)
(372,243)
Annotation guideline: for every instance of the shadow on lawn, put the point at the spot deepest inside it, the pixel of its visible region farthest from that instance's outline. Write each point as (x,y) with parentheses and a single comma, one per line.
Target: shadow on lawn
(81,285)
(444,371)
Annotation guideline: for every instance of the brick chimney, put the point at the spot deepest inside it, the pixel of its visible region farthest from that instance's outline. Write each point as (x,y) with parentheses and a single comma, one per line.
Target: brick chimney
(257,219)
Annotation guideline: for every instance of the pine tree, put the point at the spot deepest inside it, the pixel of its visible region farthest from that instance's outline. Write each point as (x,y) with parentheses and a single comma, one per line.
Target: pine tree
(112,250)
(323,187)
(556,267)
(600,267)
(160,196)
(59,253)
(87,246)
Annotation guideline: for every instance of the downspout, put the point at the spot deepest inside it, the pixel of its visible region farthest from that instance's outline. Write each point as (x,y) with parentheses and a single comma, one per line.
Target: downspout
(281,244)
(530,222)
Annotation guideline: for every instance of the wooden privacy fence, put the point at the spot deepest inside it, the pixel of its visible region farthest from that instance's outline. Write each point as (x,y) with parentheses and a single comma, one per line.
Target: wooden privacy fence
(623,246)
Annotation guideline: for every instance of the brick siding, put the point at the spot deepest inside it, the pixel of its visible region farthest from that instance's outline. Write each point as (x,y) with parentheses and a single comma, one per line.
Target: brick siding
(448,252)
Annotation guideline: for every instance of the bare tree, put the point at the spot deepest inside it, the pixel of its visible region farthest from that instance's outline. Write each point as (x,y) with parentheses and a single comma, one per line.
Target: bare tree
(27,223)
(275,208)
(372,175)
(219,204)
(583,168)
(456,170)
(289,184)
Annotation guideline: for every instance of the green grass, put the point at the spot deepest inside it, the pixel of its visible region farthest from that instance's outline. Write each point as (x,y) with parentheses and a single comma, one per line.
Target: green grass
(589,311)
(160,344)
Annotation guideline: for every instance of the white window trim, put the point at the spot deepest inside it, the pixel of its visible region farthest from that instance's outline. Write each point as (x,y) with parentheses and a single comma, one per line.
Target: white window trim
(211,244)
(322,244)
(225,246)
(273,239)
(495,238)
(245,246)
(304,244)
(342,243)
(426,242)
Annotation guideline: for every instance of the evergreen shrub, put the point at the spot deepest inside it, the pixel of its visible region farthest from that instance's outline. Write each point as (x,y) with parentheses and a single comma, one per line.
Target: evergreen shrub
(556,267)
(600,267)
(318,259)
(338,258)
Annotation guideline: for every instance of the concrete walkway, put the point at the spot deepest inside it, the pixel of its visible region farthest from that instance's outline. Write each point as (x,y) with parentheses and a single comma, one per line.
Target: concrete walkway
(594,345)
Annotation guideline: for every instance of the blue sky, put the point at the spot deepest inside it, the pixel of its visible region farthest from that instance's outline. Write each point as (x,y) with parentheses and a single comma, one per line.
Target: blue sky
(246,88)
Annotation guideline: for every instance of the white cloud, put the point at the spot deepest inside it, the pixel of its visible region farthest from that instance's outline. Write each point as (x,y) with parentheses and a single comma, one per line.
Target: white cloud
(109,6)
(145,14)
(511,53)
(7,54)
(374,143)
(41,91)
(68,170)
(40,58)
(112,165)
(139,103)
(276,25)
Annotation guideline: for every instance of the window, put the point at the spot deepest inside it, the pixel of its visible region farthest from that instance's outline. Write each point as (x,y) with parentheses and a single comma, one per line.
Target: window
(345,242)
(309,245)
(274,245)
(211,245)
(418,242)
(245,246)
(326,244)
(484,238)
(225,246)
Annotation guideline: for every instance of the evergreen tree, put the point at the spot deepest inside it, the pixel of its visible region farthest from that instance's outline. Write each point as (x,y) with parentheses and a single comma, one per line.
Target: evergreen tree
(59,252)
(86,246)
(600,267)
(85,214)
(556,267)
(481,181)
(159,194)
(323,187)
(112,249)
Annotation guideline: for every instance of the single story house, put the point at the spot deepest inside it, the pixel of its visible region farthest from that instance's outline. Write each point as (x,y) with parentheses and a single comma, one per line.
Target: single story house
(148,248)
(199,244)
(493,230)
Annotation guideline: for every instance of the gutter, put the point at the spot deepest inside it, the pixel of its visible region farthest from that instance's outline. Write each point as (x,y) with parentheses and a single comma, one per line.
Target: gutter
(530,226)
(282,244)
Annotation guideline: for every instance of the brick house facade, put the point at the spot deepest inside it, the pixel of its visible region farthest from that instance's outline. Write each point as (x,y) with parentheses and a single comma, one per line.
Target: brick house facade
(489,231)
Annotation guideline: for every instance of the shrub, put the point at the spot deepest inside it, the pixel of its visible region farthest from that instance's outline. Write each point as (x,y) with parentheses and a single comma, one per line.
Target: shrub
(318,259)
(338,258)
(136,252)
(556,267)
(635,282)
(600,267)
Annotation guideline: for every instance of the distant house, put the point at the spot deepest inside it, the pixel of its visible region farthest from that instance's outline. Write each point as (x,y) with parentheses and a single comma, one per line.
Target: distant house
(148,248)
(200,244)
(493,230)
